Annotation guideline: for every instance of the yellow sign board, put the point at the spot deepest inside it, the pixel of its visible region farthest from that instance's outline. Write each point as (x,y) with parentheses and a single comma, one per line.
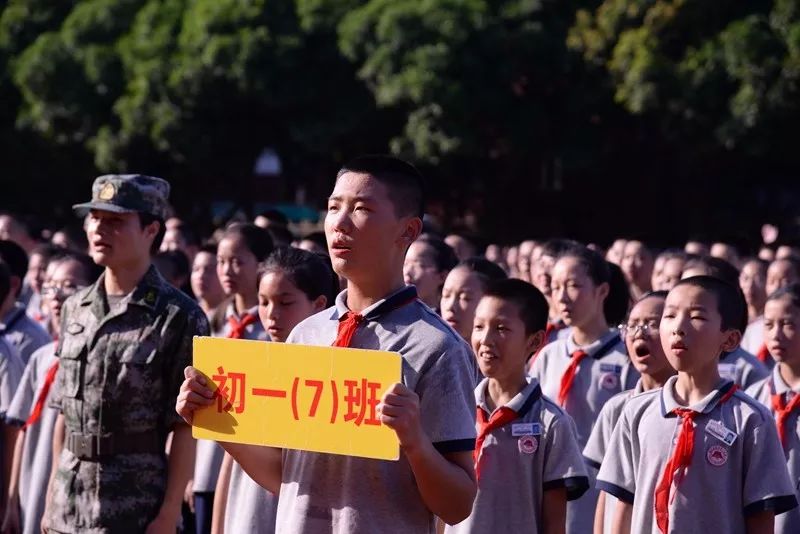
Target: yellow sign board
(320,399)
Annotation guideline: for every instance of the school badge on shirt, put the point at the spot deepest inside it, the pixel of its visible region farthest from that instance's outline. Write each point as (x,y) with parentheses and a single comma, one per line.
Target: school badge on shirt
(527,432)
(528,444)
(610,377)
(717,455)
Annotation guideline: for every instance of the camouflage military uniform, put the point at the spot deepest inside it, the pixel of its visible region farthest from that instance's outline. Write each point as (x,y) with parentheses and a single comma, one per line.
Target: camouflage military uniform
(118,379)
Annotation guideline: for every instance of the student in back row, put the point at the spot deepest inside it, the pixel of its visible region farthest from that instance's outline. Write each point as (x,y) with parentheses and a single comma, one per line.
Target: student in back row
(643,342)
(697,455)
(294,284)
(779,392)
(583,371)
(527,460)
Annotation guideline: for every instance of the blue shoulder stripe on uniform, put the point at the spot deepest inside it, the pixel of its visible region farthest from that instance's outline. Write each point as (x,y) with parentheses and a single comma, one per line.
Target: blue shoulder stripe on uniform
(590,462)
(620,493)
(535,395)
(455,445)
(778,505)
(575,486)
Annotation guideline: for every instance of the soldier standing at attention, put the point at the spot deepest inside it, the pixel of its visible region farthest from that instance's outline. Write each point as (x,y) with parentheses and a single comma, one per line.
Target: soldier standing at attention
(124,343)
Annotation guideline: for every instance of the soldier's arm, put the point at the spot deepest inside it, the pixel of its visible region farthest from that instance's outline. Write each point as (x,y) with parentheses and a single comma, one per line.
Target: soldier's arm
(58,445)
(179,471)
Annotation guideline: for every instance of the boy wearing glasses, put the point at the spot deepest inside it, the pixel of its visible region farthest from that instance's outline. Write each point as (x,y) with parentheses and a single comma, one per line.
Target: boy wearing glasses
(641,337)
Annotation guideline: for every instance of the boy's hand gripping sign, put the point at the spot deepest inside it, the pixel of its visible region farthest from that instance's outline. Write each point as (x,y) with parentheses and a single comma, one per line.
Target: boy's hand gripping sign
(321,399)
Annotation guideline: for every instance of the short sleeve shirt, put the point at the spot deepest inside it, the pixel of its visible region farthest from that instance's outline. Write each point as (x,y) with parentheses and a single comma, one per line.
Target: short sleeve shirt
(11,369)
(250,508)
(742,368)
(520,461)
(37,449)
(763,391)
(342,494)
(737,467)
(23,333)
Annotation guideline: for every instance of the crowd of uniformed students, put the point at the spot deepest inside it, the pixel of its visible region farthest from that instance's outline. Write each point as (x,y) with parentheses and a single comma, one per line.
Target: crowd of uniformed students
(614,392)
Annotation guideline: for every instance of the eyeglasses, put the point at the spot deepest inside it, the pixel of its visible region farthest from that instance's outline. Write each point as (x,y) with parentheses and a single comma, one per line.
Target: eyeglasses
(630,330)
(63,291)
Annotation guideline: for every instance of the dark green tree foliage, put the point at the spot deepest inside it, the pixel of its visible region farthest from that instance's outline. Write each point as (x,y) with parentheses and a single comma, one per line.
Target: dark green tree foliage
(722,72)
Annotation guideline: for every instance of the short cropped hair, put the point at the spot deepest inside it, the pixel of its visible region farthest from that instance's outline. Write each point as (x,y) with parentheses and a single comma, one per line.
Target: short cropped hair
(256,239)
(15,259)
(532,306)
(792,292)
(731,305)
(443,255)
(485,270)
(146,219)
(555,247)
(90,271)
(716,267)
(403,180)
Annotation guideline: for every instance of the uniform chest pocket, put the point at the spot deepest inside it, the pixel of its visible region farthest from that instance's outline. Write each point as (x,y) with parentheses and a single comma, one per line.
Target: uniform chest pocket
(72,359)
(139,354)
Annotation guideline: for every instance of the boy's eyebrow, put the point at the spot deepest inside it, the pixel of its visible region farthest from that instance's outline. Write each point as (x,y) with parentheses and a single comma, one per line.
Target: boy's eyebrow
(357,198)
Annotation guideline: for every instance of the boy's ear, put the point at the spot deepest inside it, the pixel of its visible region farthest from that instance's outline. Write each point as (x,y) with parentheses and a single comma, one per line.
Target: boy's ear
(411,230)
(732,340)
(535,342)
(320,303)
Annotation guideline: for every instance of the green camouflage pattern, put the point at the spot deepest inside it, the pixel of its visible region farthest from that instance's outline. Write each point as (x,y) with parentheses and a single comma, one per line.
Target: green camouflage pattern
(128,193)
(119,373)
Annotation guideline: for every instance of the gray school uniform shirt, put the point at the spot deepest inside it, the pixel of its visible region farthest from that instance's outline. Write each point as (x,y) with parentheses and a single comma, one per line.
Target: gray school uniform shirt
(11,369)
(520,461)
(23,333)
(742,368)
(37,451)
(789,522)
(604,373)
(344,494)
(599,439)
(250,508)
(737,466)
(208,459)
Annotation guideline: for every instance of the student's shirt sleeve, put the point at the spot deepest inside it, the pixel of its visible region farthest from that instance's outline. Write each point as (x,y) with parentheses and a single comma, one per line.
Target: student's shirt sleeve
(595,448)
(751,374)
(617,473)
(11,370)
(25,396)
(447,401)
(564,467)
(767,485)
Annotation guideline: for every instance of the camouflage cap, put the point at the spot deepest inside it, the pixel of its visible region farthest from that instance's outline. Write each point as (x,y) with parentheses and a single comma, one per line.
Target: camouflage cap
(128,193)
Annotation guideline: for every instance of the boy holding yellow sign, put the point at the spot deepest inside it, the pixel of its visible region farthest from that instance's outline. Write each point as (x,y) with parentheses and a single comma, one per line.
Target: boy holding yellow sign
(374,214)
